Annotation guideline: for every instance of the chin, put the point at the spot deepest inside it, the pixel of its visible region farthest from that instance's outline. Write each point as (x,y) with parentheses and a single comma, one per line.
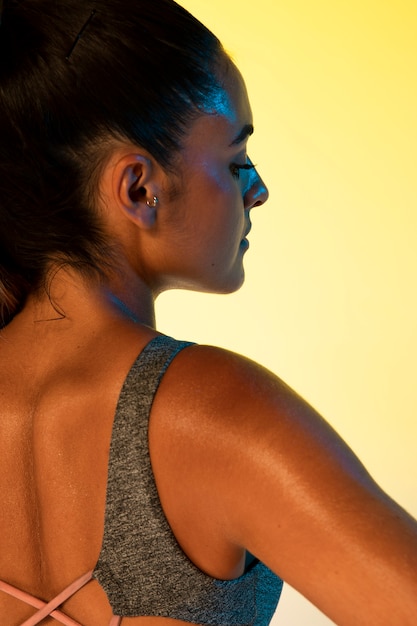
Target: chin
(231,284)
(227,283)
(231,288)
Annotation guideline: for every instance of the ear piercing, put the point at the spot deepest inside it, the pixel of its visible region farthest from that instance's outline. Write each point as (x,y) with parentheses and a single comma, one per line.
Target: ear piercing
(152,203)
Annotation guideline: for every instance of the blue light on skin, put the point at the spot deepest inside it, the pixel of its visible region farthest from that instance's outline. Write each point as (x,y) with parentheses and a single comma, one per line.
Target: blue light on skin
(122,307)
(219,103)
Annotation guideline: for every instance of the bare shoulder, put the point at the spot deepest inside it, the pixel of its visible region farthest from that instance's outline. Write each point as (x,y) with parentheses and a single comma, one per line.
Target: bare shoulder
(251,461)
(218,377)
(239,400)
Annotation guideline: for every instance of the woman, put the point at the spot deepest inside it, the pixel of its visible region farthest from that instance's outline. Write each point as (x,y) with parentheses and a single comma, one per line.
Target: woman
(124,172)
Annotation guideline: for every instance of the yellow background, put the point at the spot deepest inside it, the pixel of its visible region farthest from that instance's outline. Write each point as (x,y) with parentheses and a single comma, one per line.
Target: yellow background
(330,302)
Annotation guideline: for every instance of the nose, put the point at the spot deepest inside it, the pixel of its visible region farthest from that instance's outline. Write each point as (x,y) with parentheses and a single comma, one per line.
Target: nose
(257,192)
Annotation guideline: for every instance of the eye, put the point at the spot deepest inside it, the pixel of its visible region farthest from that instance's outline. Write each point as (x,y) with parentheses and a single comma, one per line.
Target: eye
(236,167)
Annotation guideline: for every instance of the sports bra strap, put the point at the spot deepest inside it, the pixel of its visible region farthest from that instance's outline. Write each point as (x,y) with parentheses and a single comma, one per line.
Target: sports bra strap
(47,609)
(50,608)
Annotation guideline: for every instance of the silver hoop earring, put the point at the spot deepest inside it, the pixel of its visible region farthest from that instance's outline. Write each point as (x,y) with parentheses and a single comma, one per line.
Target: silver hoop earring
(152,203)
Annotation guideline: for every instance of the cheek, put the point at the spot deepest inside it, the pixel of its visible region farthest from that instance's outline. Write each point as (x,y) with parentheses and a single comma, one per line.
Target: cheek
(210,207)
(226,203)
(218,187)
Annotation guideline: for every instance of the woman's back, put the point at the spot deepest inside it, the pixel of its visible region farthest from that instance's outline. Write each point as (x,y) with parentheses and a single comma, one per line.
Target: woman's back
(58,395)
(53,463)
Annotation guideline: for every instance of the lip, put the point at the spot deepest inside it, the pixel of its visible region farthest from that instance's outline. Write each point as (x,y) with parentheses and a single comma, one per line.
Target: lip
(249,228)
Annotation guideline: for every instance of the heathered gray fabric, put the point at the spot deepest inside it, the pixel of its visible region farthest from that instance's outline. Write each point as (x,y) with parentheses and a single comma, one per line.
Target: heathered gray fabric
(141,566)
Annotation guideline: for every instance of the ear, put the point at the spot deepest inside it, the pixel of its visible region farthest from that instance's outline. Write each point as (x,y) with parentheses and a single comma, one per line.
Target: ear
(135,187)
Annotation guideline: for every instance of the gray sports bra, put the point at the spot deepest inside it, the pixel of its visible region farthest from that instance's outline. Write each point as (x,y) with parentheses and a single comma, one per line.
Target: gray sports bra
(141,566)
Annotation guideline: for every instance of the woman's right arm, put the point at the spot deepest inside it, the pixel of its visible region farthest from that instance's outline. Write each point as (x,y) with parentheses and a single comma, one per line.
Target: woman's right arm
(251,462)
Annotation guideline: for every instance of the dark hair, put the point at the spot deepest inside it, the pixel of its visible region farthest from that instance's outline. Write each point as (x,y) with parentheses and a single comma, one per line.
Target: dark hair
(73,75)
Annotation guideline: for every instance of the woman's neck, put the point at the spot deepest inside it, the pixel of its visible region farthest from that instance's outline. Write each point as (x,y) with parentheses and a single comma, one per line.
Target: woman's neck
(75,301)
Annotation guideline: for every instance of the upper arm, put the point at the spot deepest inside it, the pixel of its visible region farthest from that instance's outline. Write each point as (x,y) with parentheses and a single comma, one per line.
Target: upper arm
(260,467)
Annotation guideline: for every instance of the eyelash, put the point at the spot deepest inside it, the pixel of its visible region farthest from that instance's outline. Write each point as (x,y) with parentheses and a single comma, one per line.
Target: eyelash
(236,167)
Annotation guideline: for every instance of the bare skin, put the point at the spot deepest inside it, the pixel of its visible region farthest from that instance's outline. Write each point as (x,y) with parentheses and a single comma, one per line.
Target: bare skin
(241,463)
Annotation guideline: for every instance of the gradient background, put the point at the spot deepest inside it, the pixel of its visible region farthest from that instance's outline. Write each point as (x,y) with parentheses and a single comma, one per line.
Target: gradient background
(329,303)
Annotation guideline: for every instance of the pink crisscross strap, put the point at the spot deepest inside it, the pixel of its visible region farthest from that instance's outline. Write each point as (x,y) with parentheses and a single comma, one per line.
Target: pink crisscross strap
(50,609)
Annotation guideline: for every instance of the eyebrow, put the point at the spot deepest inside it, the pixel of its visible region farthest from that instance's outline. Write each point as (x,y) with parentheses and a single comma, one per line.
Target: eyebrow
(246,131)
